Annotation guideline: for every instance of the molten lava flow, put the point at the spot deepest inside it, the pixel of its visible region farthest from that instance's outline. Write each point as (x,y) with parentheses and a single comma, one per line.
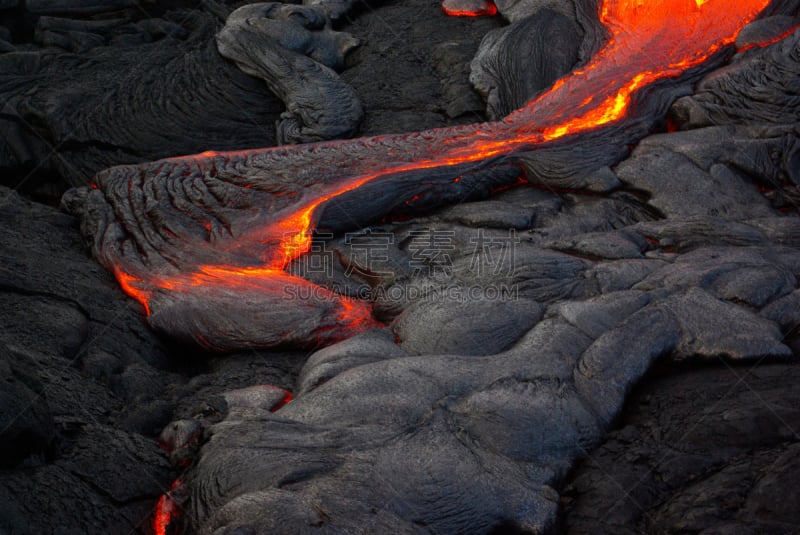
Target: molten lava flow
(649,40)
(131,286)
(454,9)
(167,509)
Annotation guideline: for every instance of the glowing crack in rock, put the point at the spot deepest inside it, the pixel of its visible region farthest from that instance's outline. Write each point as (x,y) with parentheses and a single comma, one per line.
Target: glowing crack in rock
(469,8)
(270,200)
(167,509)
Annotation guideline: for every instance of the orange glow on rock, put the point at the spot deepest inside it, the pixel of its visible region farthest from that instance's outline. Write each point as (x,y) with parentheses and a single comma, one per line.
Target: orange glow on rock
(489,10)
(131,286)
(167,509)
(287,398)
(772,41)
(648,40)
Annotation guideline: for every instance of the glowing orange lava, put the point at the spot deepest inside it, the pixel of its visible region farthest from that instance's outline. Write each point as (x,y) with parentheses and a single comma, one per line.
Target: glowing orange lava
(166,510)
(287,398)
(132,286)
(648,40)
(489,10)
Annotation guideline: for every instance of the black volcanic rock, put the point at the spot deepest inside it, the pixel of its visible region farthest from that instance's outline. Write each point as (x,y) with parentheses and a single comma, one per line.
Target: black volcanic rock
(290,48)
(449,417)
(412,68)
(27,423)
(696,450)
(111,91)
(760,85)
(465,321)
(69,343)
(79,7)
(718,190)
(176,93)
(514,10)
(518,61)
(86,387)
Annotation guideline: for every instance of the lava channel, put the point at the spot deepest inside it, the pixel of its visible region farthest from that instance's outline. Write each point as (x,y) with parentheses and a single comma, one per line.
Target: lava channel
(247,254)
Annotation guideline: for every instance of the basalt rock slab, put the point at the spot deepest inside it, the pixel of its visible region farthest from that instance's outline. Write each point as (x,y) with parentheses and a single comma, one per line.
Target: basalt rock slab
(583,347)
(514,10)
(508,411)
(290,49)
(79,36)
(329,362)
(86,388)
(79,418)
(452,60)
(74,102)
(124,91)
(81,7)
(415,77)
(27,422)
(465,321)
(697,449)
(489,214)
(758,86)
(517,62)
(603,244)
(718,172)
(718,192)
(748,275)
(107,488)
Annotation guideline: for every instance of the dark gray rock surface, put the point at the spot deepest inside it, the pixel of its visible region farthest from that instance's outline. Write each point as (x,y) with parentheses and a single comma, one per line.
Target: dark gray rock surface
(78,404)
(63,110)
(87,387)
(697,450)
(520,60)
(290,48)
(79,7)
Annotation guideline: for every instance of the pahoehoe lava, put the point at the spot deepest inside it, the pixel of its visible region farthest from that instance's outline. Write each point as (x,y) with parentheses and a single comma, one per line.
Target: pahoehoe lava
(203,241)
(454,367)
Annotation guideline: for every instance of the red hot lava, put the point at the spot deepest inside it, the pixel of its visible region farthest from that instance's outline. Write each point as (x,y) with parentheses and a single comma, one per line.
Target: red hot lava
(648,40)
(167,510)
(469,9)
